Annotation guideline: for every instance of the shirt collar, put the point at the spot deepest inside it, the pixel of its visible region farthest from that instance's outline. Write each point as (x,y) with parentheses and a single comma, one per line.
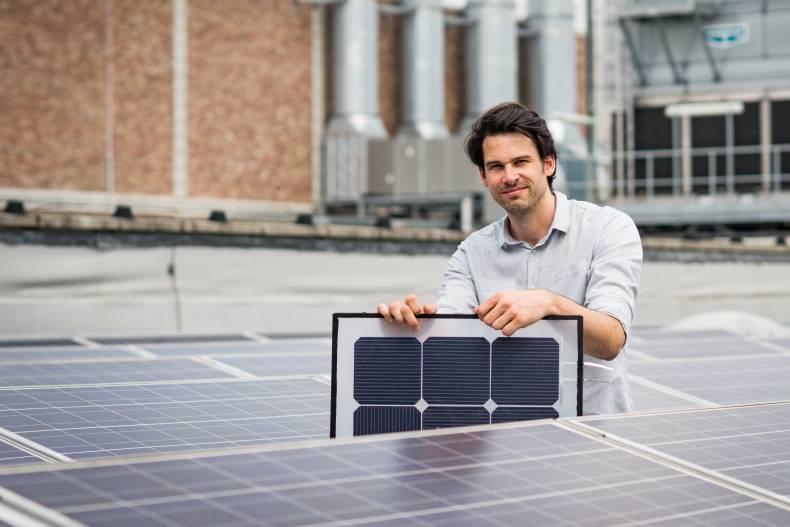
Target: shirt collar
(561,222)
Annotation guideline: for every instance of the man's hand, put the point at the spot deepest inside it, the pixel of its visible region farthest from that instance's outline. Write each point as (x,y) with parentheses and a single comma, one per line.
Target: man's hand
(406,311)
(512,310)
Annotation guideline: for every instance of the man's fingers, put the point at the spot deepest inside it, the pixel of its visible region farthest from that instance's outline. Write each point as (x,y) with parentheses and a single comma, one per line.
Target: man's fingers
(430,309)
(486,306)
(409,318)
(384,311)
(395,311)
(503,320)
(414,303)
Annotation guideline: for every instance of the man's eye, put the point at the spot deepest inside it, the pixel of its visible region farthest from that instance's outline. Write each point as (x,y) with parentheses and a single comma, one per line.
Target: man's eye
(520,162)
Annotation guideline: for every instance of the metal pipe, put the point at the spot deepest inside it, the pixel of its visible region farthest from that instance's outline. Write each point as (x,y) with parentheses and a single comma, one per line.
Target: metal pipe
(355,28)
(423,69)
(491,56)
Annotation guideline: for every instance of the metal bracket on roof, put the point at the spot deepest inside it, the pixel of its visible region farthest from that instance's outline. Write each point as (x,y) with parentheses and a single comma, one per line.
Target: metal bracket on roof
(677,75)
(708,54)
(629,40)
(18,510)
(32,448)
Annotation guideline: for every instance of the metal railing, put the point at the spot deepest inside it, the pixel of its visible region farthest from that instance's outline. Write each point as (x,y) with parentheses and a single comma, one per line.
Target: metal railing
(707,171)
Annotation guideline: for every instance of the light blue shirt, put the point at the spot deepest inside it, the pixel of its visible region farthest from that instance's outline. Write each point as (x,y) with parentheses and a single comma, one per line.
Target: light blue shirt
(591,255)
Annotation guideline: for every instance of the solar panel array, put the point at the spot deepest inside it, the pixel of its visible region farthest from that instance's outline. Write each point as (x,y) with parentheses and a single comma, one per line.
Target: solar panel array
(215,426)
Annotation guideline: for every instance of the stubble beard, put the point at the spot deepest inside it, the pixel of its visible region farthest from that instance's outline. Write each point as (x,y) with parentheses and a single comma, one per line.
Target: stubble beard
(520,210)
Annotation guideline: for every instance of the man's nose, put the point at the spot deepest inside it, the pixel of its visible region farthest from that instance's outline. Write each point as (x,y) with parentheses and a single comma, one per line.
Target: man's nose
(510,173)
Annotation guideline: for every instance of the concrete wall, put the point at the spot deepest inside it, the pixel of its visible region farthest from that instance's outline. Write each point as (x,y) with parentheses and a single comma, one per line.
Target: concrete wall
(68,290)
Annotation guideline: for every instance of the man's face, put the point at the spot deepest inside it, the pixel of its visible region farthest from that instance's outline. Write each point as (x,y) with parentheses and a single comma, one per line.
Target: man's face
(514,172)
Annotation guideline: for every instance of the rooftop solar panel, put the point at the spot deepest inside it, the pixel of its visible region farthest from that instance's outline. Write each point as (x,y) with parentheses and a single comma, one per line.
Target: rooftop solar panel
(171,339)
(113,420)
(723,381)
(455,371)
(105,372)
(673,347)
(282,364)
(649,398)
(36,343)
(747,443)
(63,354)
(237,348)
(10,455)
(527,474)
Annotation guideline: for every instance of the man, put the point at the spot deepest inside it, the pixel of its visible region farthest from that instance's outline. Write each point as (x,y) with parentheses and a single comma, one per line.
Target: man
(548,256)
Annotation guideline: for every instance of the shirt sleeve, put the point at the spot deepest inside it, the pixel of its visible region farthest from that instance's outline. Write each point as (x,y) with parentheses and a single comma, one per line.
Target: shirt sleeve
(615,269)
(457,292)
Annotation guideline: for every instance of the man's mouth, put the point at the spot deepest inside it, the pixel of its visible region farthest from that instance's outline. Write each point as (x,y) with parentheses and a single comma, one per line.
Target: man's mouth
(515,191)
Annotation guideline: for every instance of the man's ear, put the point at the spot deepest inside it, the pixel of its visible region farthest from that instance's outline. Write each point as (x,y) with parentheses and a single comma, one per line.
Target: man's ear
(549,165)
(483,176)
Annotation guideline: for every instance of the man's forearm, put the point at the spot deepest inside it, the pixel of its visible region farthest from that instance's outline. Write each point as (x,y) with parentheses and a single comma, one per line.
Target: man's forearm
(603,335)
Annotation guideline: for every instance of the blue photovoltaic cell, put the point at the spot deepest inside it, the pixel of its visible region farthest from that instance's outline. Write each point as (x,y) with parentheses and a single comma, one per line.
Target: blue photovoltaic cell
(96,421)
(450,416)
(387,370)
(456,370)
(385,419)
(105,372)
(525,371)
(507,414)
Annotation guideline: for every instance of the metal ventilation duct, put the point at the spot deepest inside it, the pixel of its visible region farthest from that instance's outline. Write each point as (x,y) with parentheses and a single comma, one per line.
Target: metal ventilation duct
(423,69)
(552,63)
(491,56)
(355,106)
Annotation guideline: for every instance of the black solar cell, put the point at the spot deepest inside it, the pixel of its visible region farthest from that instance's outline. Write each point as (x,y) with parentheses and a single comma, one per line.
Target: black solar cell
(456,370)
(387,371)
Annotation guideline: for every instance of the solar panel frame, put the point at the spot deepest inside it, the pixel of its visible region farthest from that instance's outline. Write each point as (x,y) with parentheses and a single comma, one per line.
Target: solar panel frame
(398,331)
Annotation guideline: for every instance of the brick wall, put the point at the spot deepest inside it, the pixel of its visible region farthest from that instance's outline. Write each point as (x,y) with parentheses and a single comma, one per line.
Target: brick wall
(454,77)
(52,92)
(249,100)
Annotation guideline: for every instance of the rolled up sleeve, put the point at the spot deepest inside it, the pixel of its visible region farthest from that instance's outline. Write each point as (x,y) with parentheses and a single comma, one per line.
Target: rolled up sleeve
(615,269)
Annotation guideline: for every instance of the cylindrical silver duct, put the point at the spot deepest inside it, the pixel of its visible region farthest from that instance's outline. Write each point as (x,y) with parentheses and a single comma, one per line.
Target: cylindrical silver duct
(423,69)
(355,85)
(552,66)
(491,56)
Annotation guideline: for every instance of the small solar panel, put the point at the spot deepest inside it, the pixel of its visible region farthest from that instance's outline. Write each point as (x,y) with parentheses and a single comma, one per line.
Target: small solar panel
(456,371)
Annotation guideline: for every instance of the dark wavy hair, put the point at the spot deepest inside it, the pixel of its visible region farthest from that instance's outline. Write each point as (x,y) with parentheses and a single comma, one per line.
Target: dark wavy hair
(505,118)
